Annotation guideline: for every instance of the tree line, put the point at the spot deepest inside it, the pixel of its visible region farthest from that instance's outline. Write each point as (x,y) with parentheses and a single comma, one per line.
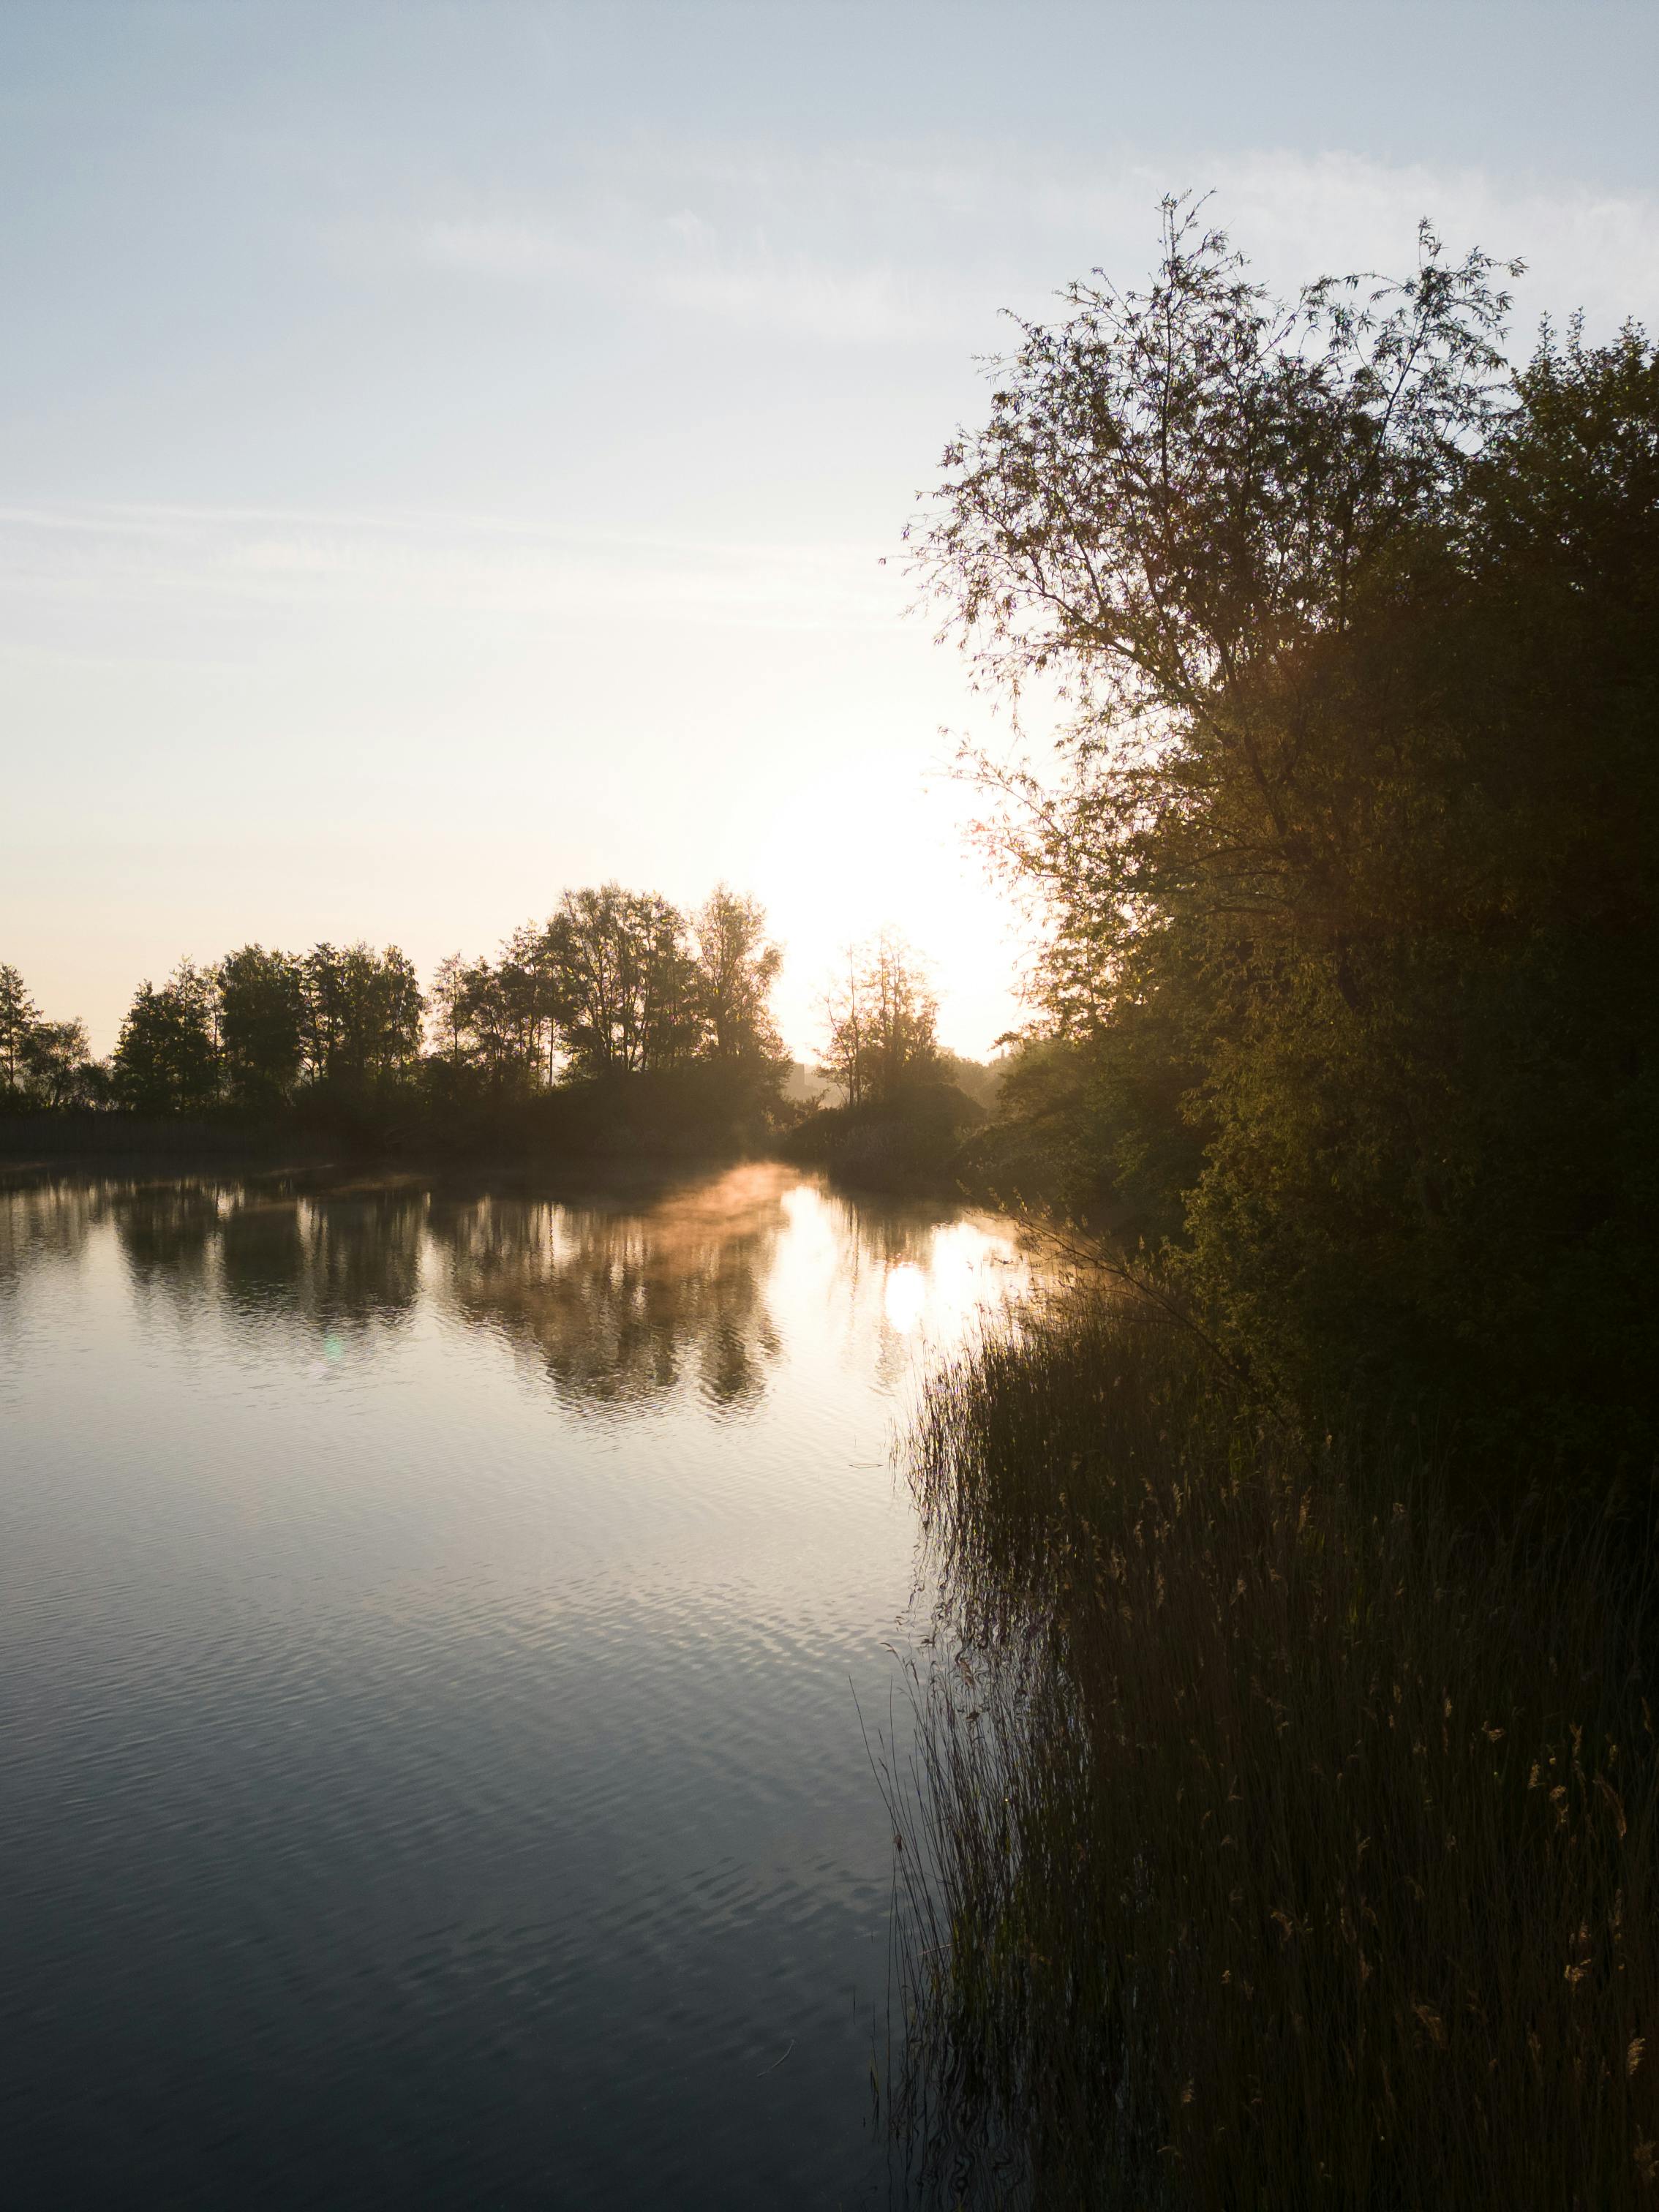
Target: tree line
(614,983)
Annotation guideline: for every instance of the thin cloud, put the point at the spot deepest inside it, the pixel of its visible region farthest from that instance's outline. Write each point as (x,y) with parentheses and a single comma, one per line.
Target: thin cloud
(755,285)
(178,556)
(866,246)
(686,260)
(518,251)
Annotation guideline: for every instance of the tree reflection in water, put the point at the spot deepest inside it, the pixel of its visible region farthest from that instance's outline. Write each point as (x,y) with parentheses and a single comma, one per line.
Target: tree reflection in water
(339,1259)
(617,1306)
(43,1218)
(167,1232)
(617,1300)
(362,1253)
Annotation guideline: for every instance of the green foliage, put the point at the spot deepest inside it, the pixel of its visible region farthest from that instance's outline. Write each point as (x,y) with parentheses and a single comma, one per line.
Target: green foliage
(978,1079)
(1350,874)
(1096,1134)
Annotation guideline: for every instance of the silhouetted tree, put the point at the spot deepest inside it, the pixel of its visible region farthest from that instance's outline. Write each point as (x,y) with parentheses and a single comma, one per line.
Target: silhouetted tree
(881,1021)
(622,989)
(524,1004)
(613,984)
(261,1023)
(497,1015)
(738,965)
(18,1016)
(56,1063)
(483,1017)
(364,1013)
(165,1060)
(43,1063)
(445,1009)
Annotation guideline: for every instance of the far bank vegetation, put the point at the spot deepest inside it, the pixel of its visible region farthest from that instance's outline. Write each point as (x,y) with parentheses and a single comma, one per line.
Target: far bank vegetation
(619,1024)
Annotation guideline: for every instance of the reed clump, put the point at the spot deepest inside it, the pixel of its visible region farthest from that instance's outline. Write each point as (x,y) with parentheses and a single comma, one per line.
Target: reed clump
(1271,1841)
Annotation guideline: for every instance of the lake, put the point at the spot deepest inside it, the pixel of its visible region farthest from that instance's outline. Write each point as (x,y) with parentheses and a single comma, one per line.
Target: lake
(439,1633)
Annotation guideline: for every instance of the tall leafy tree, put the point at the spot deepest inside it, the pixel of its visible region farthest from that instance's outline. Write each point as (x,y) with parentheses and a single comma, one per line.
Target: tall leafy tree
(497,1015)
(447,1009)
(525,990)
(56,1063)
(622,987)
(18,1016)
(737,966)
(42,1063)
(364,1013)
(166,1059)
(262,1016)
(881,1023)
(1350,852)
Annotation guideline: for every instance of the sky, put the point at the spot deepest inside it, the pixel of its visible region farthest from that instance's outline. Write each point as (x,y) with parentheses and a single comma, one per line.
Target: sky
(452,454)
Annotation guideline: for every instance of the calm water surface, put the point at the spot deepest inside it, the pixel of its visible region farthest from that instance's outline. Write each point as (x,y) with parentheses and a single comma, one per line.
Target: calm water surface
(434,1631)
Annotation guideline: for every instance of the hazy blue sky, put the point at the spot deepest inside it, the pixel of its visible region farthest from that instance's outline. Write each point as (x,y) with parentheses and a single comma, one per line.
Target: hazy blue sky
(447,452)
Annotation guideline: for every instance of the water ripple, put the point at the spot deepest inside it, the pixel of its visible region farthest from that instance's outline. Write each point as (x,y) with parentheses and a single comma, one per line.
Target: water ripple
(429,1633)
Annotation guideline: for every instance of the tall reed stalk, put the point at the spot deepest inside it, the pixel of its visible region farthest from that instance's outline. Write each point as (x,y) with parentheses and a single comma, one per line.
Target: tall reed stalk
(1268,1842)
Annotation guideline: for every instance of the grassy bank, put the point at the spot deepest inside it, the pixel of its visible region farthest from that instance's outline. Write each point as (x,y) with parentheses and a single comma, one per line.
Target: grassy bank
(1271,1842)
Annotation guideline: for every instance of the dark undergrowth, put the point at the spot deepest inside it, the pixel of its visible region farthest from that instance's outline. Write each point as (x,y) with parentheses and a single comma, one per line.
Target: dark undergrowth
(438,1115)
(1271,1841)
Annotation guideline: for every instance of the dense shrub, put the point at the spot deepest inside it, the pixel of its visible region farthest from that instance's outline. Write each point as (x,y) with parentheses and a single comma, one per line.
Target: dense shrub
(1350,878)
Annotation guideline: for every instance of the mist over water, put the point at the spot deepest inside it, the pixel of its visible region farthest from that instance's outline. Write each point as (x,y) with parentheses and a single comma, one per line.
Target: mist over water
(434,1629)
